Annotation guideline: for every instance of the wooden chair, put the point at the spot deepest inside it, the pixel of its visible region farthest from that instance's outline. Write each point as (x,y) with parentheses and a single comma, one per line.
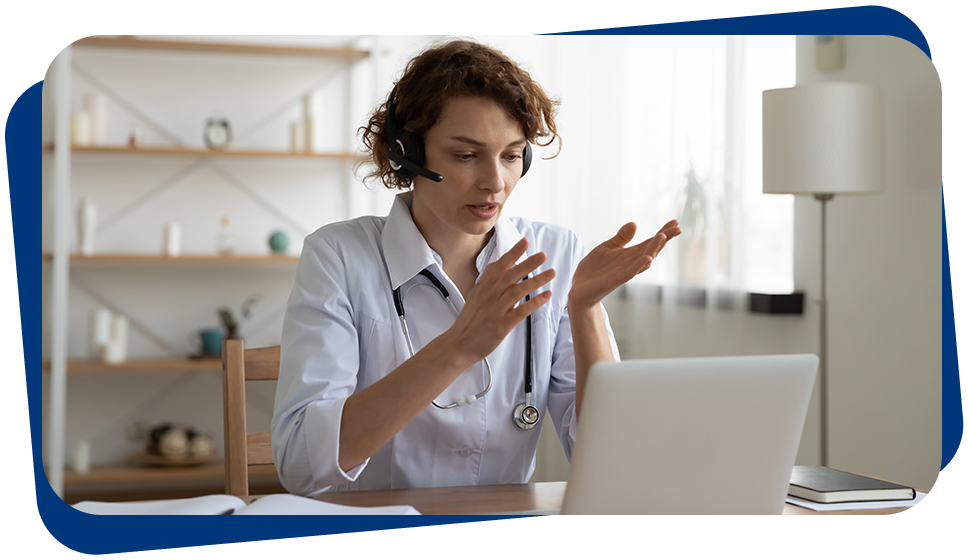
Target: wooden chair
(243,449)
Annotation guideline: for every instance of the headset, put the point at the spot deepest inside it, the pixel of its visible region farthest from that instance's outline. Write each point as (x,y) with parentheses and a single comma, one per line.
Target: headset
(408,162)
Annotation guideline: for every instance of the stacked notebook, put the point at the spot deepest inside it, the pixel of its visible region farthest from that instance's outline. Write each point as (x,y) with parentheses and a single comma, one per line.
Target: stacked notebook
(831,486)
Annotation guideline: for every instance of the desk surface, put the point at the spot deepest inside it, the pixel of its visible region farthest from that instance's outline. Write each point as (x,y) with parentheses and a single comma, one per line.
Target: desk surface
(500,499)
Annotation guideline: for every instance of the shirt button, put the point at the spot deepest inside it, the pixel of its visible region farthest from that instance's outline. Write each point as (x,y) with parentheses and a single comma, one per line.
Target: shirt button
(466,452)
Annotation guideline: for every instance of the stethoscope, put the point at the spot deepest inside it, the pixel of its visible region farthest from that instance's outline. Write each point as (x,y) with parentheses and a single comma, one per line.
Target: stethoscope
(526,414)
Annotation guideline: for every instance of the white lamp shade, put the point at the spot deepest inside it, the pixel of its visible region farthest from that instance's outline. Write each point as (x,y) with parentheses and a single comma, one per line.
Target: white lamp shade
(823,138)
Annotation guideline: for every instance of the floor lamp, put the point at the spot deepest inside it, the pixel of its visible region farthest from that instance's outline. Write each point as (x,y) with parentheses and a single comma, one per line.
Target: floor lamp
(823,139)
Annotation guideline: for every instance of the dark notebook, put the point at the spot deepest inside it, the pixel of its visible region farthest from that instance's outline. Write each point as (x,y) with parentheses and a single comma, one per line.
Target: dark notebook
(828,486)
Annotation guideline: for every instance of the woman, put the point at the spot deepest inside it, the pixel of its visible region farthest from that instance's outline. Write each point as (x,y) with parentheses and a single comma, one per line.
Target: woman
(422,348)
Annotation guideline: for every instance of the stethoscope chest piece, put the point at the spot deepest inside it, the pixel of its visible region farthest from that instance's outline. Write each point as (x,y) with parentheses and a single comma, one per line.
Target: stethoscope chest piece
(526,416)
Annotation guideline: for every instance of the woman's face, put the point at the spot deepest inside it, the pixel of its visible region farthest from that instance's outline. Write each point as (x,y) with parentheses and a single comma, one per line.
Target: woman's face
(477,147)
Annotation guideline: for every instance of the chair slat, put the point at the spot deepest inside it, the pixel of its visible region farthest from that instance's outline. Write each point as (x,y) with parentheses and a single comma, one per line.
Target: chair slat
(242,449)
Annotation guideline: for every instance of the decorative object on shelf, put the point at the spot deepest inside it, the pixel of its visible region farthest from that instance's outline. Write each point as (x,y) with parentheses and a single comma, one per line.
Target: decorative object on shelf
(100,332)
(226,243)
(172,239)
(170,445)
(278,242)
(135,137)
(308,145)
(81,129)
(116,350)
(87,224)
(208,341)
(217,133)
(81,458)
(229,321)
(296,136)
(95,104)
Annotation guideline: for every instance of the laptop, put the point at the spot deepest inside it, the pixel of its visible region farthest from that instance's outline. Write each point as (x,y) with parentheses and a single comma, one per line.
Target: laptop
(689,435)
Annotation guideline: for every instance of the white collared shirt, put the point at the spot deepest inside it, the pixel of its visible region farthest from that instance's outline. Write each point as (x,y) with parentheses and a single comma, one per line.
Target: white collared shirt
(341,333)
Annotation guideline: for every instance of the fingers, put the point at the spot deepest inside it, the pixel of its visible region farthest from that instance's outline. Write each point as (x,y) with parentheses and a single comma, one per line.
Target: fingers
(510,281)
(653,245)
(518,285)
(505,271)
(624,235)
(527,308)
(511,257)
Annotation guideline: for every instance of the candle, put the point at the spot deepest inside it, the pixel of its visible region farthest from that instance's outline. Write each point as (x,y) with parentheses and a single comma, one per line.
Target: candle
(172,243)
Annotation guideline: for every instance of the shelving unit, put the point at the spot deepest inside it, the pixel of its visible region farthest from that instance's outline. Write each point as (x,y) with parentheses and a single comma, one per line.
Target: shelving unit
(205,152)
(60,261)
(166,260)
(133,42)
(151,365)
(126,482)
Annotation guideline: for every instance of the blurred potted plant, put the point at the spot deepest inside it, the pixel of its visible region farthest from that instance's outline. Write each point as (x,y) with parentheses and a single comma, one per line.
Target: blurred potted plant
(693,220)
(228,319)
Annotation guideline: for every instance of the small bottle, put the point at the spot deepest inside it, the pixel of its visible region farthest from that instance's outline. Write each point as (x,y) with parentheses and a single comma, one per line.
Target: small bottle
(100,331)
(172,239)
(308,125)
(87,224)
(116,350)
(81,458)
(226,244)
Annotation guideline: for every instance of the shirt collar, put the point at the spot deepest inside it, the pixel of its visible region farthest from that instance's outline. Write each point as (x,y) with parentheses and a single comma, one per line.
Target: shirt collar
(505,237)
(405,250)
(407,253)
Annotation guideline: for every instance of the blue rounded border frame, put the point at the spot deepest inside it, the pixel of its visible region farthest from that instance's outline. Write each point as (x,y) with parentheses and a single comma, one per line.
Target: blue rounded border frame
(40,521)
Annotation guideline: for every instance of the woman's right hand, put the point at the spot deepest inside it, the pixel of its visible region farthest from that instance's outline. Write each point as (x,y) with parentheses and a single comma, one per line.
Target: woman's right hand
(492,307)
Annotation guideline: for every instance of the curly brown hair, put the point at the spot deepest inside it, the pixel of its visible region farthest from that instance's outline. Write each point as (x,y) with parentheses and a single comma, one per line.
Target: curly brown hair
(456,68)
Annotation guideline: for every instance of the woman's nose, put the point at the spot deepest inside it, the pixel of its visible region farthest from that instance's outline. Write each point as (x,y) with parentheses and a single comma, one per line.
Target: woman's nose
(492,177)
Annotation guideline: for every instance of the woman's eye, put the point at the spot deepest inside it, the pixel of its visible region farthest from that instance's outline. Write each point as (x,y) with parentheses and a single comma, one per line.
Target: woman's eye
(512,157)
(464,157)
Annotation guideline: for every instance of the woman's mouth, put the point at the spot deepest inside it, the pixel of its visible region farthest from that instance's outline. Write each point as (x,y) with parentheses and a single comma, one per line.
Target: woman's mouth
(483,211)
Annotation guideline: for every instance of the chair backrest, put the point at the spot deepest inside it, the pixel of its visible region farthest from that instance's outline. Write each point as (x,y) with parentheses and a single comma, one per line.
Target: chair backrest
(242,448)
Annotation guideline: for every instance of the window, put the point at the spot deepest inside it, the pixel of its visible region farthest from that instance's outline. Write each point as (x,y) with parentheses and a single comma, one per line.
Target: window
(657,127)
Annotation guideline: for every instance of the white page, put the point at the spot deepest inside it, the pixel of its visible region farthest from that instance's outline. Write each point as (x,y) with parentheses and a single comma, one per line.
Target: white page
(288,504)
(816,506)
(220,504)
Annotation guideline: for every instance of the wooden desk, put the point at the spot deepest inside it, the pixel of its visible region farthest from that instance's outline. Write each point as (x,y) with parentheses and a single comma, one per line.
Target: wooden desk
(500,499)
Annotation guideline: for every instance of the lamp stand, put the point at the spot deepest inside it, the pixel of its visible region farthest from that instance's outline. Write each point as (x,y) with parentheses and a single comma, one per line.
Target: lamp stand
(823,198)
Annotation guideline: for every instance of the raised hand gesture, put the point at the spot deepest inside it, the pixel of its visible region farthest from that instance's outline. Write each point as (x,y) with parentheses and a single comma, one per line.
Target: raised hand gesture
(612,264)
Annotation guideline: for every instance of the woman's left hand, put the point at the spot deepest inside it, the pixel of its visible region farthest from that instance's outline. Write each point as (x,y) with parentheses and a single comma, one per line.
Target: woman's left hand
(612,264)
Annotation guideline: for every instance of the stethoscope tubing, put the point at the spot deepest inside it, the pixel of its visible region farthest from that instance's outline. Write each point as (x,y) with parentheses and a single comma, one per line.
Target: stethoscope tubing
(399,307)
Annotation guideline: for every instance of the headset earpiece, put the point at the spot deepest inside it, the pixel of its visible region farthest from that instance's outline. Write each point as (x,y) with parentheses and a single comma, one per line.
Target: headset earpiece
(406,150)
(526,158)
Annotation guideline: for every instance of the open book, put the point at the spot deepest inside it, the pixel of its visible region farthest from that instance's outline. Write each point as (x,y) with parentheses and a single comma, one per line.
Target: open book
(224,504)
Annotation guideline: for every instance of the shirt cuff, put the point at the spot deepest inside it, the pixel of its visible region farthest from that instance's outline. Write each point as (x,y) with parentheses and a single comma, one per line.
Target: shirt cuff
(322,432)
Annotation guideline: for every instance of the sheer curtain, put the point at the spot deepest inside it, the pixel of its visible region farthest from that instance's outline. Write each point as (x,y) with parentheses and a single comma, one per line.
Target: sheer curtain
(660,127)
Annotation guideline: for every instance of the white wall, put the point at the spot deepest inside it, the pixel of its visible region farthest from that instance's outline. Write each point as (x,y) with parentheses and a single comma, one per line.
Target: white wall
(885,274)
